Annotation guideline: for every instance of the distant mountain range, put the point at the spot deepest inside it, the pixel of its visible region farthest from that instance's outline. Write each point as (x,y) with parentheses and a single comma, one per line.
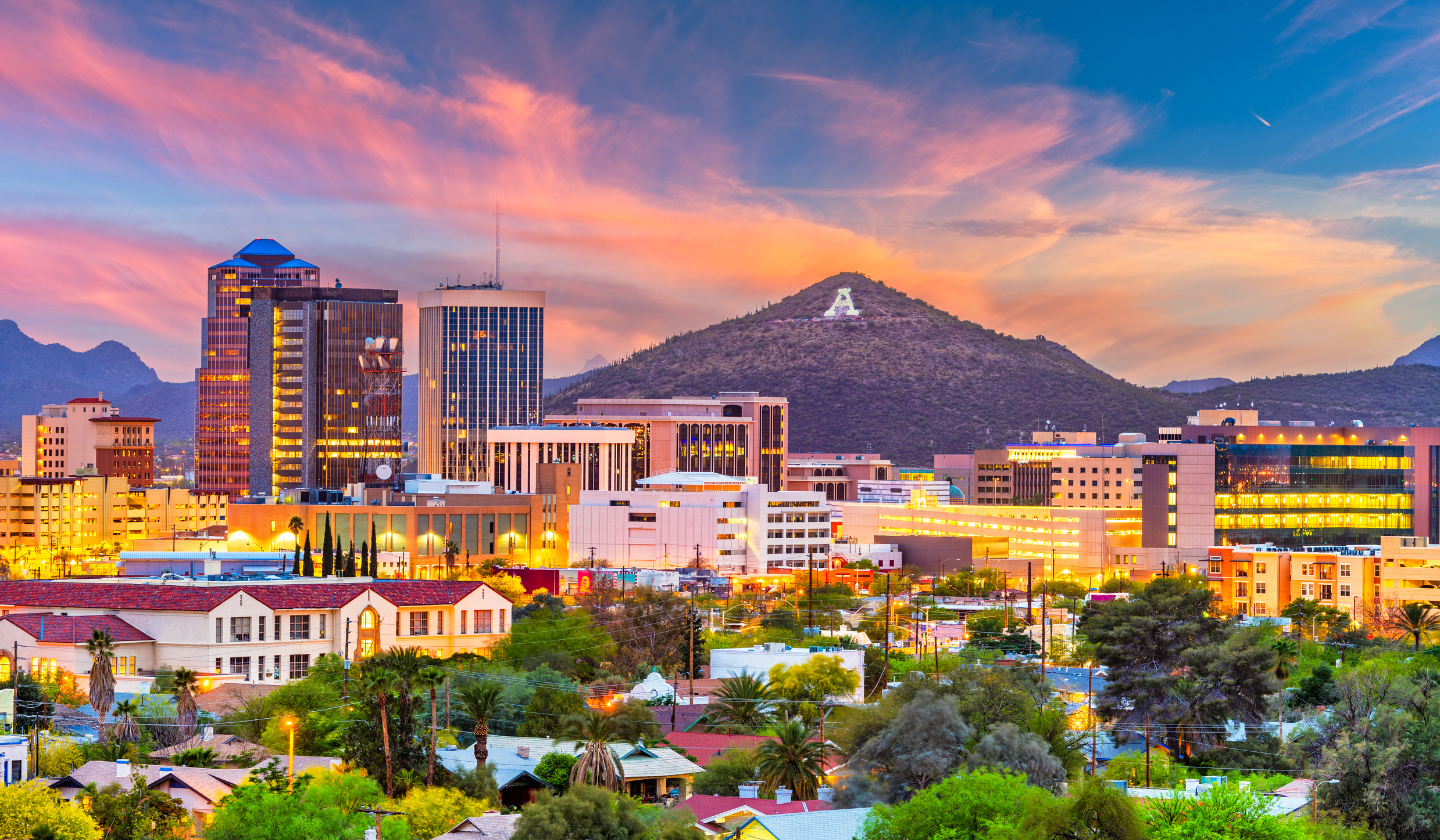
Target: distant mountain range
(904,379)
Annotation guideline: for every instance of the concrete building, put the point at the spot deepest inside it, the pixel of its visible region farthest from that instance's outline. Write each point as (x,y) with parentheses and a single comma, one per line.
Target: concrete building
(81,513)
(601,455)
(734,433)
(86,436)
(9,466)
(836,475)
(324,387)
(759,659)
(14,757)
(482,365)
(1300,484)
(222,382)
(529,529)
(267,631)
(735,526)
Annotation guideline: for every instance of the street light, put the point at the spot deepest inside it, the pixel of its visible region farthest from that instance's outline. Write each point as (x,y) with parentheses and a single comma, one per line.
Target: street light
(1315,798)
(289,723)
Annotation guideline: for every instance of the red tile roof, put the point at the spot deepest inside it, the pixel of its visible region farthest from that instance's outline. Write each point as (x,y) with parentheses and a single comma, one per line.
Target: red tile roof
(86,400)
(705,747)
(179,597)
(706,807)
(75,629)
(115,418)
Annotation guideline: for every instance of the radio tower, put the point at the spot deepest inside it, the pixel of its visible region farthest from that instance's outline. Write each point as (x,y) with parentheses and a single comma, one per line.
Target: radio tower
(497,245)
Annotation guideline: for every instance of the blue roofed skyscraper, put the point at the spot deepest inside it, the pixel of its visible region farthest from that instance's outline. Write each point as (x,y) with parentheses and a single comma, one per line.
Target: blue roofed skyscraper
(222,382)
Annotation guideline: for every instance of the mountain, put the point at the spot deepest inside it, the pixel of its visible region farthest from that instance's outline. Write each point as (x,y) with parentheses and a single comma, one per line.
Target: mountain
(35,374)
(1400,395)
(596,362)
(410,405)
(172,403)
(906,379)
(1426,354)
(1196,386)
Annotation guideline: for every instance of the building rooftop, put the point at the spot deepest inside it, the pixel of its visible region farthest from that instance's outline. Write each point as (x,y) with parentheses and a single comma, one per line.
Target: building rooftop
(236,263)
(264,248)
(514,757)
(74,629)
(115,418)
(182,597)
(87,400)
(688,479)
(298,264)
(835,824)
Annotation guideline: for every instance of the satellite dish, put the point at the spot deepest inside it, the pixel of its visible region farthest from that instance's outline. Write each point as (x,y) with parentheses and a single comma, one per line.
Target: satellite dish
(383,472)
(369,342)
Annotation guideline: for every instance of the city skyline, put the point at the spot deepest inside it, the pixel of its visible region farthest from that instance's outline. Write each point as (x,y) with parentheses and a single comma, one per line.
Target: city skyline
(1251,185)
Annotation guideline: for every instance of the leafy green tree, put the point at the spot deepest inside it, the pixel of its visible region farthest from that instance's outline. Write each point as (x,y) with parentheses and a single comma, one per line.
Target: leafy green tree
(260,811)
(478,783)
(1008,747)
(1225,812)
(350,571)
(372,568)
(967,805)
(185,683)
(26,806)
(101,647)
(381,684)
(584,813)
(432,811)
(818,680)
(566,642)
(724,774)
(1318,689)
(547,710)
(195,757)
(1414,619)
(593,732)
(308,567)
(989,696)
(480,701)
(1309,614)
(138,812)
(925,742)
(554,770)
(1096,811)
(792,760)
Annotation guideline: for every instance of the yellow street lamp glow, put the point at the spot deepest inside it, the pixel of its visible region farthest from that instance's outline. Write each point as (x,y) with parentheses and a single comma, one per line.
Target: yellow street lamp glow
(289,724)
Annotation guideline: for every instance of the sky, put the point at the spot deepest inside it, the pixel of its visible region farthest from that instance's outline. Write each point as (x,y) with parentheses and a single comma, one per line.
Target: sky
(1171,190)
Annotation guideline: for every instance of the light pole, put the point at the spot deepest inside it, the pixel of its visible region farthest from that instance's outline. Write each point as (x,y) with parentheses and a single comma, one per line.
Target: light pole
(290,773)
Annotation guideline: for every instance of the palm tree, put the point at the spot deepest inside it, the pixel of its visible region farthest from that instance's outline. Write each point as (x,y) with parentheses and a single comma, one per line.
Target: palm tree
(185,681)
(101,647)
(295,526)
(125,729)
(594,730)
(794,761)
(1285,651)
(744,701)
(382,682)
(480,700)
(431,678)
(1414,619)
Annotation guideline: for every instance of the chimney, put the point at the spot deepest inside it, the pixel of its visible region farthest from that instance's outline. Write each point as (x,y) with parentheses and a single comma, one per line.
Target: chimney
(122,768)
(782,796)
(750,790)
(825,793)
(523,752)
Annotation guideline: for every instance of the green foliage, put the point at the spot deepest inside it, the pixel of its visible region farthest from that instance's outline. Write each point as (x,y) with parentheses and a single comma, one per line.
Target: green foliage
(1223,813)
(584,813)
(432,811)
(136,813)
(1303,611)
(478,783)
(1130,766)
(967,805)
(195,757)
(554,770)
(58,757)
(28,806)
(1318,689)
(569,642)
(922,743)
(257,811)
(792,760)
(547,710)
(724,775)
(1096,811)
(820,679)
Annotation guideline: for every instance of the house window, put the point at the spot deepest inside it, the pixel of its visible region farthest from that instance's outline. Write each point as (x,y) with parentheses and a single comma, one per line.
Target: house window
(501,613)
(1327,592)
(124,666)
(1242,590)
(219,632)
(240,631)
(439,623)
(299,665)
(322,625)
(1260,587)
(299,627)
(240,664)
(1259,568)
(1307,590)
(261,622)
(277,632)
(1214,568)
(1344,590)
(419,623)
(368,639)
(462,621)
(482,621)
(1344,570)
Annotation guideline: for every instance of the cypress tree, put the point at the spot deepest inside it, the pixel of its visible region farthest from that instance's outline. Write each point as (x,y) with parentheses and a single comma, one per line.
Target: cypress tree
(327,551)
(307,569)
(373,565)
(350,560)
(296,571)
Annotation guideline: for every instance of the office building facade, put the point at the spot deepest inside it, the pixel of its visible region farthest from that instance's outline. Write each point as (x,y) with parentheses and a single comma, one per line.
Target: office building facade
(87,436)
(734,433)
(481,365)
(601,456)
(838,475)
(222,382)
(315,421)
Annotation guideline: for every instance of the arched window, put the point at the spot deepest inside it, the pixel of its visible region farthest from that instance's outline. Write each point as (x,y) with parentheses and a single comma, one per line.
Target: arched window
(368,638)
(839,492)
(819,488)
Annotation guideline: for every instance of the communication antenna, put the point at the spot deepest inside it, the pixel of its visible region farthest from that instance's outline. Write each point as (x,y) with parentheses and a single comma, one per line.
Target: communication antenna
(497,243)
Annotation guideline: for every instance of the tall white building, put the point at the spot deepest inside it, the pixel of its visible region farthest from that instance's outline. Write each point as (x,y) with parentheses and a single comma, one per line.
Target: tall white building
(733,525)
(601,455)
(482,355)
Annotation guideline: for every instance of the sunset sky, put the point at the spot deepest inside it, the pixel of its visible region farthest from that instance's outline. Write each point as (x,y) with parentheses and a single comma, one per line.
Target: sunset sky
(1172,190)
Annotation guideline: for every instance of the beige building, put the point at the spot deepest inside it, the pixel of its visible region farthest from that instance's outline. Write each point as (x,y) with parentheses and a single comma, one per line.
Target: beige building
(601,455)
(61,440)
(78,513)
(1261,579)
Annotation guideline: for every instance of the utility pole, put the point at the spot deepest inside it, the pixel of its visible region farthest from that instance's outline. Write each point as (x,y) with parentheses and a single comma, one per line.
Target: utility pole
(592,556)
(1090,702)
(1044,686)
(690,616)
(447,701)
(885,674)
(810,589)
(345,690)
(1147,751)
(1029,597)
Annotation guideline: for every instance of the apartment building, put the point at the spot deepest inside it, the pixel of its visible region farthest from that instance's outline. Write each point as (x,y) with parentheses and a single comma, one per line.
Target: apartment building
(83,512)
(1261,579)
(837,476)
(270,631)
(601,455)
(87,436)
(734,433)
(734,526)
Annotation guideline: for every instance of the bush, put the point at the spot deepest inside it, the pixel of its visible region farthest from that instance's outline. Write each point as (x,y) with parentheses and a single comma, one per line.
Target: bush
(724,775)
(430,812)
(31,805)
(554,770)
(585,813)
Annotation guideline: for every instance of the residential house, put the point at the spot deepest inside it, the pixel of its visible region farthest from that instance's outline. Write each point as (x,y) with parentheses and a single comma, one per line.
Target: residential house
(651,772)
(491,825)
(836,824)
(723,814)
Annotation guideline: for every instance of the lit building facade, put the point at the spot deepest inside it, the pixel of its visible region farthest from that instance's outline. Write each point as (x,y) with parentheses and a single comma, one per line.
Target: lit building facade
(734,526)
(86,436)
(313,422)
(481,365)
(734,433)
(837,476)
(222,382)
(601,455)
(1261,580)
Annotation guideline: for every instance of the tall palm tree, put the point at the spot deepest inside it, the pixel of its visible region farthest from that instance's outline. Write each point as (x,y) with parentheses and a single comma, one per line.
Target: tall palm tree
(594,730)
(431,678)
(480,700)
(1285,652)
(184,682)
(125,729)
(744,702)
(382,682)
(295,526)
(793,761)
(1414,619)
(101,647)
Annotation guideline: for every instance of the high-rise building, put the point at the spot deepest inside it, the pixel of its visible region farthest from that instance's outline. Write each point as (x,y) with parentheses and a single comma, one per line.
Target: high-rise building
(222,382)
(87,436)
(481,366)
(324,375)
